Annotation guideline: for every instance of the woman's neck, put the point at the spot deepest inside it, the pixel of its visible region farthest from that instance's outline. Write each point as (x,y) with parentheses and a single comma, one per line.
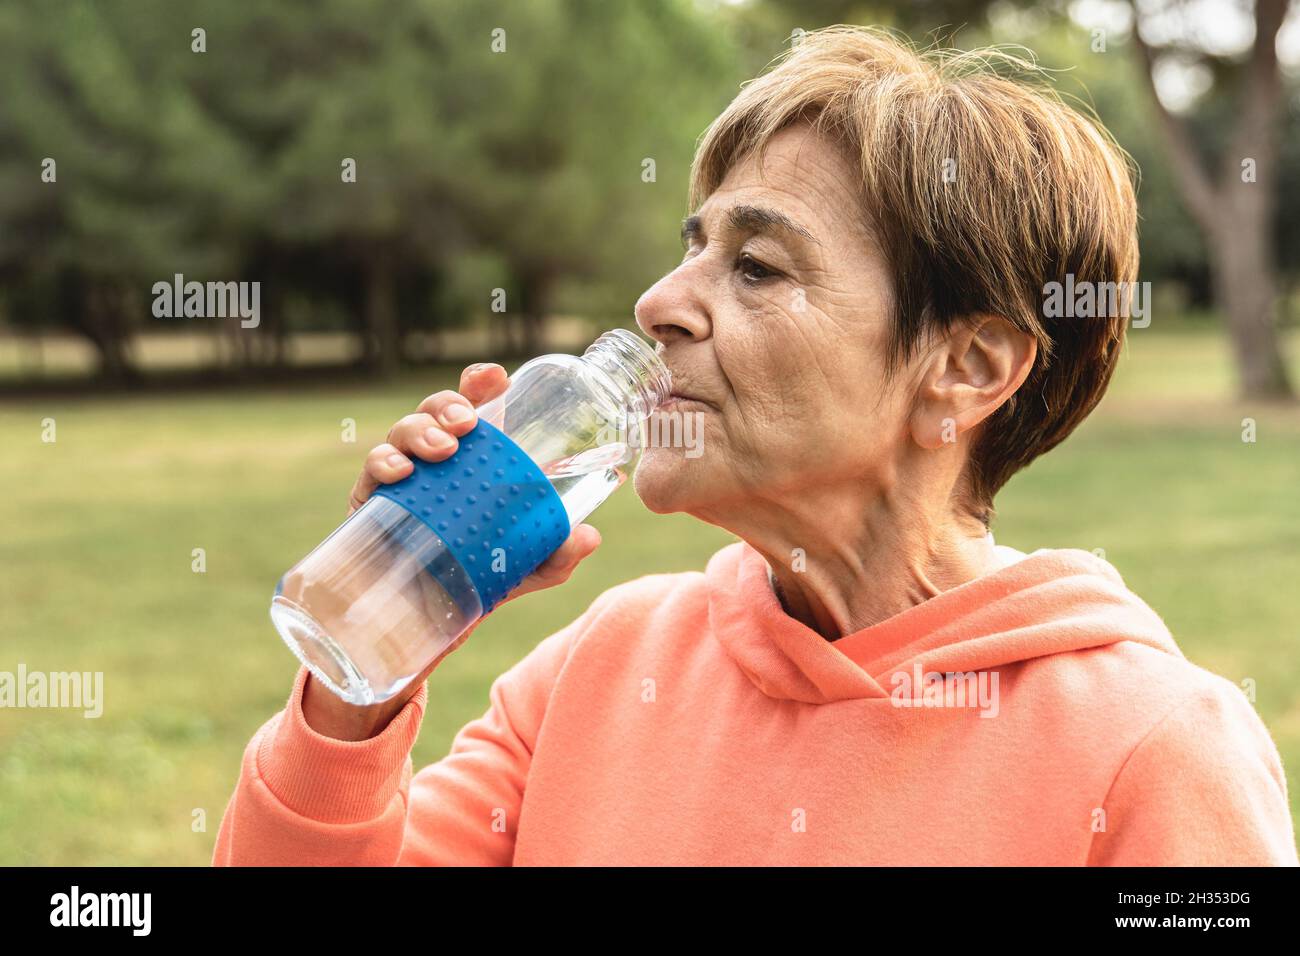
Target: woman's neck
(840,565)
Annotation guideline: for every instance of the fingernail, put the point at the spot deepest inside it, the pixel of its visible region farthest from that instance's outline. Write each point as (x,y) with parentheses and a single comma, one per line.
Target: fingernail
(457,414)
(395,461)
(437,438)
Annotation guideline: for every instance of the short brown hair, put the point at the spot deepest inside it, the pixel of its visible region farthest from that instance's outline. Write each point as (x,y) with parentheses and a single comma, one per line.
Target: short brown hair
(1040,191)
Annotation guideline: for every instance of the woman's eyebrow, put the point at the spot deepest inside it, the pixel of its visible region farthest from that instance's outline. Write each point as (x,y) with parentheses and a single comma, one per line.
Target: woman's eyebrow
(690,229)
(762,219)
(750,219)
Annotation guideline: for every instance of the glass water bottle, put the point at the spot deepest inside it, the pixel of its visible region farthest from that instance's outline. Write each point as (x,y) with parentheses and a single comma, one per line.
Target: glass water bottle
(423,559)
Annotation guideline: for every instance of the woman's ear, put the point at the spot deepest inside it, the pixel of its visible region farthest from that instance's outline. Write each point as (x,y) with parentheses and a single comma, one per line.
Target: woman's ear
(970,373)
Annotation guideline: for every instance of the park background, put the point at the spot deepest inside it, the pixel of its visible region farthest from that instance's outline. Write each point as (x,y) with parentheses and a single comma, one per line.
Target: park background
(524,170)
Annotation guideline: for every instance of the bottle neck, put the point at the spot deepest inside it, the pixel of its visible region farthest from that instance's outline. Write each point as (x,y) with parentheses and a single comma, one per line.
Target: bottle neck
(634,369)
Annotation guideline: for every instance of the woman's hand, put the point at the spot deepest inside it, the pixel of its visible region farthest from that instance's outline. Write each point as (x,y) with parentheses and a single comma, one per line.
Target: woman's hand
(431,434)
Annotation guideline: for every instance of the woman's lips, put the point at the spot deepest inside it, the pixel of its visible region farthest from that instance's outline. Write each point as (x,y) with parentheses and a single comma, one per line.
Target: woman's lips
(678,401)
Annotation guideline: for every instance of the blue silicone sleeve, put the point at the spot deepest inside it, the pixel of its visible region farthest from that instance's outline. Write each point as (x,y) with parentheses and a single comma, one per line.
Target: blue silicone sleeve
(489,495)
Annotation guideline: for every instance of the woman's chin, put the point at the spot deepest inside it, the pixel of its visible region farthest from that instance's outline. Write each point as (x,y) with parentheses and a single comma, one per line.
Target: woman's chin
(661,480)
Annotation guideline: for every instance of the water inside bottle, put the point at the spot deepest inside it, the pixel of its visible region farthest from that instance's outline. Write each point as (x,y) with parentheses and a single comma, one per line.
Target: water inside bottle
(374,580)
(586,479)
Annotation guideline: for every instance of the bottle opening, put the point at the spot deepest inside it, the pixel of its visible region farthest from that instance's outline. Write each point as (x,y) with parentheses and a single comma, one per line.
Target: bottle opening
(634,366)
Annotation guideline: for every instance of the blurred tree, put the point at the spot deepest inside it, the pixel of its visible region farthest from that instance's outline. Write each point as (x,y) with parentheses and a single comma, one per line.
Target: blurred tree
(1234,204)
(570,134)
(349,155)
(503,128)
(361,212)
(97,141)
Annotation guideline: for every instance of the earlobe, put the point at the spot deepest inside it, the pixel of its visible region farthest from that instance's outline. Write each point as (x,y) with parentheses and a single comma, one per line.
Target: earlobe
(932,431)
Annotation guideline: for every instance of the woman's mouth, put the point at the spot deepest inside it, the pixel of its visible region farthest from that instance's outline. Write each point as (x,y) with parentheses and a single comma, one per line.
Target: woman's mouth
(676,400)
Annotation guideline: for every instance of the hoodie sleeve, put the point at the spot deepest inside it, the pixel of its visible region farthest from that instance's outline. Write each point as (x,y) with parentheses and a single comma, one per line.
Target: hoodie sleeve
(304,799)
(1205,787)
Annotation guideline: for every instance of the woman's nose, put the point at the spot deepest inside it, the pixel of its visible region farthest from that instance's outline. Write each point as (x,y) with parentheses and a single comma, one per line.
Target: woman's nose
(670,309)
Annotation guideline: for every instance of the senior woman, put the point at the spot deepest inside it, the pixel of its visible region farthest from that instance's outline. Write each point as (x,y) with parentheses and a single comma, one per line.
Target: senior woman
(865,677)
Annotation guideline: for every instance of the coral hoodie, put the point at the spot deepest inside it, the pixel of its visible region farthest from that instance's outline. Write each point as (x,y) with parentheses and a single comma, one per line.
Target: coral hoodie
(1040,714)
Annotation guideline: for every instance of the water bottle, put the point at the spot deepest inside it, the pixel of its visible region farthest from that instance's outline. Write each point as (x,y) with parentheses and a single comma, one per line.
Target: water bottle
(424,558)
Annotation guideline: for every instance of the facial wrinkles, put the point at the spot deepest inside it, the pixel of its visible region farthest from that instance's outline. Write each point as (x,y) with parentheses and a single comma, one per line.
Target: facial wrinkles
(773,359)
(802,363)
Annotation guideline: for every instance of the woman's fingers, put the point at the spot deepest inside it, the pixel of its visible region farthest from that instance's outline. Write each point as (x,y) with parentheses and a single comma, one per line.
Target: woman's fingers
(384,465)
(455,410)
(431,433)
(419,435)
(423,436)
(483,382)
(450,411)
(561,564)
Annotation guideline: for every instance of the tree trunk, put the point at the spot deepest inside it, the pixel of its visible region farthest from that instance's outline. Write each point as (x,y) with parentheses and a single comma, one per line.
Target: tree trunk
(1235,213)
(1246,287)
(101,321)
(536,291)
(383,352)
(280,346)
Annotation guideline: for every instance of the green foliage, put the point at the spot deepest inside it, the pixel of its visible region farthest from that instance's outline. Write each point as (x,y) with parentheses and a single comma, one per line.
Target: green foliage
(512,133)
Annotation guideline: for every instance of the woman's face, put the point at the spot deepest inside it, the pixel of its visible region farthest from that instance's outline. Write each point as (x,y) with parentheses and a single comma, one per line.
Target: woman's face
(775,326)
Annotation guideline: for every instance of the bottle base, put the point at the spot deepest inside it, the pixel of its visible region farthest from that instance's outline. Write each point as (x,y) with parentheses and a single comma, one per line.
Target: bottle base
(320,653)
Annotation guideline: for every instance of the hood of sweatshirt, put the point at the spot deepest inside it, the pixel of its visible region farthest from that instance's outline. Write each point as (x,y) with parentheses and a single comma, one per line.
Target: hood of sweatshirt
(1033,605)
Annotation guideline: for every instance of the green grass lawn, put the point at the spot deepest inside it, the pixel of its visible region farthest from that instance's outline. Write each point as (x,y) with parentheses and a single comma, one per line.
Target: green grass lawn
(99,529)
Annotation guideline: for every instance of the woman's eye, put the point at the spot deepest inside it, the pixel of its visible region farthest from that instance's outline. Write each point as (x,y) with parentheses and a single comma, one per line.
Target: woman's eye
(752,269)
